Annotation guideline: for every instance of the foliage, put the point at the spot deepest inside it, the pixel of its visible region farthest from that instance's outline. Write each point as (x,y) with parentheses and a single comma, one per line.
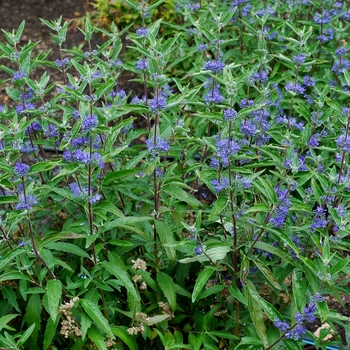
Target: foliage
(103,12)
(223,223)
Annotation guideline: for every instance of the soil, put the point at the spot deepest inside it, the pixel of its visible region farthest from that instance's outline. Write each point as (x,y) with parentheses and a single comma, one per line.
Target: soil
(11,16)
(31,11)
(14,12)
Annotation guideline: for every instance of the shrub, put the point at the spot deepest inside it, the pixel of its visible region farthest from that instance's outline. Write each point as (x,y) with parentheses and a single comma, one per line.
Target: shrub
(222,224)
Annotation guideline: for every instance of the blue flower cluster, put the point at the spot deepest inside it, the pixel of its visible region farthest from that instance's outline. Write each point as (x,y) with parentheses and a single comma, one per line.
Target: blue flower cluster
(159,146)
(298,329)
(281,212)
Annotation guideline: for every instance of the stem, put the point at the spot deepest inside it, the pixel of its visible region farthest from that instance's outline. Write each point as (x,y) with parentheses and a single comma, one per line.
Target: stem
(156,187)
(36,251)
(6,238)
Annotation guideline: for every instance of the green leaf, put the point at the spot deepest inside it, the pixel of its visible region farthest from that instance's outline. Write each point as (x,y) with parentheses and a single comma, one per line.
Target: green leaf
(8,259)
(42,166)
(109,207)
(8,199)
(201,280)
(115,175)
(212,254)
(97,338)
(212,290)
(181,195)
(274,250)
(133,4)
(267,273)
(125,280)
(166,237)
(54,293)
(258,208)
(249,341)
(126,220)
(154,319)
(4,320)
(68,248)
(25,335)
(50,332)
(121,332)
(96,316)
(339,266)
(106,88)
(266,189)
(11,297)
(167,286)
(236,293)
(121,243)
(224,335)
(298,293)
(155,5)
(33,315)
(255,311)
(85,324)
(14,276)
(219,206)
(323,310)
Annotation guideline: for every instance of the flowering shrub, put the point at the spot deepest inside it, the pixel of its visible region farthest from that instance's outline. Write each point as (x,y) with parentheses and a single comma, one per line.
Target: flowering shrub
(223,224)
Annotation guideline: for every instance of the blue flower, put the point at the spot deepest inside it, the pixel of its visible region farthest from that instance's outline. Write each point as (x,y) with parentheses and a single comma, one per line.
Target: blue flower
(24,107)
(202,47)
(230,114)
(260,77)
(299,58)
(280,214)
(21,169)
(62,63)
(18,75)
(225,149)
(213,96)
(89,123)
(322,18)
(343,143)
(215,66)
(142,32)
(26,202)
(51,131)
(221,184)
(160,146)
(295,88)
(309,81)
(75,114)
(198,250)
(157,104)
(142,64)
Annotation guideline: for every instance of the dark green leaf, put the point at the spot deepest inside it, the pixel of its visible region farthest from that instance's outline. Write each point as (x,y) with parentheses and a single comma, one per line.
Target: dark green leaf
(167,285)
(33,315)
(219,206)
(68,248)
(201,280)
(96,316)
(97,338)
(4,320)
(166,237)
(25,335)
(235,292)
(54,293)
(267,273)
(124,280)
(181,195)
(50,332)
(121,332)
(255,311)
